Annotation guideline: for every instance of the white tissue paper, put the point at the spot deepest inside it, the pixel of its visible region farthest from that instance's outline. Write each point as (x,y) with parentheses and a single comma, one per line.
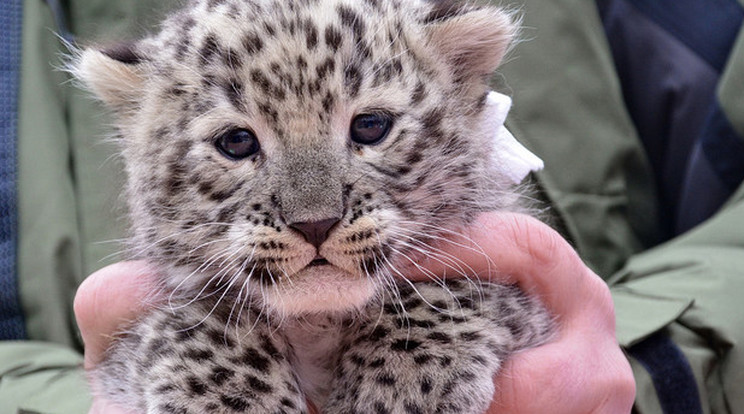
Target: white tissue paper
(516,160)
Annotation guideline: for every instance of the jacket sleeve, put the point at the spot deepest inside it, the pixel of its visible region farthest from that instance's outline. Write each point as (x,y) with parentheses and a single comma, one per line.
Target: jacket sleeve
(690,289)
(40,377)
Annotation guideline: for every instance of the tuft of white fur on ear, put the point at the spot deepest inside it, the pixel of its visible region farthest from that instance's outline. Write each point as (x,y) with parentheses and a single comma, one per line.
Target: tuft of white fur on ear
(473,40)
(118,83)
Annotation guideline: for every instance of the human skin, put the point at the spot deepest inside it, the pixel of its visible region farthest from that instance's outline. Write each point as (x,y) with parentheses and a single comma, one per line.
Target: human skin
(582,370)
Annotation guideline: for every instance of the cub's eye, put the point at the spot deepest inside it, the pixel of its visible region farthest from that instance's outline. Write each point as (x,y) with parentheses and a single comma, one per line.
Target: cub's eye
(237,144)
(370,129)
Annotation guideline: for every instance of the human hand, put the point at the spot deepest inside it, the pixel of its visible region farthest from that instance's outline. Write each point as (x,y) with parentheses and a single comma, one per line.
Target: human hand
(583,370)
(105,301)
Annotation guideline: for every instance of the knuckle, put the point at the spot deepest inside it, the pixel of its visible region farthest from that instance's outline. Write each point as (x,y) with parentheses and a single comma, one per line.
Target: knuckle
(602,295)
(619,390)
(538,241)
(621,396)
(621,386)
(627,384)
(602,302)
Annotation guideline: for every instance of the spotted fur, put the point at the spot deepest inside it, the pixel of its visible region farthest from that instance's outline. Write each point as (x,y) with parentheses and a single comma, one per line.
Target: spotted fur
(254,322)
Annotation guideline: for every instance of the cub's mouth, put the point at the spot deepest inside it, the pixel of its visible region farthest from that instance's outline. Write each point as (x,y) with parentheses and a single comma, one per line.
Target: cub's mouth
(320,286)
(318,261)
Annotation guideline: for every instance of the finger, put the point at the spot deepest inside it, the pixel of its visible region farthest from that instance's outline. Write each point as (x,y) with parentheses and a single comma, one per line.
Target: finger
(517,248)
(600,381)
(107,299)
(540,378)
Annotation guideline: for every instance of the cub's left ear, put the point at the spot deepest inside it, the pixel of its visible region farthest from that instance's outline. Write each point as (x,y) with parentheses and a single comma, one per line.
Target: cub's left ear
(472,39)
(116,75)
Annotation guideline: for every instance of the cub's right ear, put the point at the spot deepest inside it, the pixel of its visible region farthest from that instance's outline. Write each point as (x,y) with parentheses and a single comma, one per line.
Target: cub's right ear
(115,75)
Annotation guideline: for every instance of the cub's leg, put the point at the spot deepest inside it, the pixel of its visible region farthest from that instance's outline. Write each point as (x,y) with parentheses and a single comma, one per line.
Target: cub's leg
(440,355)
(183,362)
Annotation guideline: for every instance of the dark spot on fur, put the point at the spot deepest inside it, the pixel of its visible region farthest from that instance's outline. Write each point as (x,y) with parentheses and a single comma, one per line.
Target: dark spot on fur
(311,35)
(165,388)
(326,68)
(268,111)
(261,81)
(328,102)
(268,347)
(377,363)
(232,59)
(426,385)
(385,379)
(219,338)
(254,359)
(220,375)
(170,408)
(378,333)
(209,49)
(403,170)
(258,385)
(269,28)
(439,337)
(196,386)
(445,10)
(351,19)
(380,408)
(412,408)
(352,80)
(204,188)
(234,403)
(214,3)
(125,53)
(161,133)
(357,360)
(445,361)
(405,345)
(199,355)
(470,336)
(422,359)
(220,196)
(252,43)
(419,93)
(234,91)
(333,38)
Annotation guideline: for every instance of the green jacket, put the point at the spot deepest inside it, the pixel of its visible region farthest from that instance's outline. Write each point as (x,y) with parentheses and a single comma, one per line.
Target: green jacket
(568,107)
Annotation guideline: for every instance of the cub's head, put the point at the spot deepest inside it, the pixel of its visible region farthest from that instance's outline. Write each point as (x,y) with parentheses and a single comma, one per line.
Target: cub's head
(304,151)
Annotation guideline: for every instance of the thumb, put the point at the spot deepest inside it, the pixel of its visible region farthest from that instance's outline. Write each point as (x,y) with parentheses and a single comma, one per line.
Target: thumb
(107,299)
(514,248)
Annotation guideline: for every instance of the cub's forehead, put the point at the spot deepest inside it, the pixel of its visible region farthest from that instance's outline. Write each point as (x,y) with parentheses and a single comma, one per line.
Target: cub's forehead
(261,28)
(277,59)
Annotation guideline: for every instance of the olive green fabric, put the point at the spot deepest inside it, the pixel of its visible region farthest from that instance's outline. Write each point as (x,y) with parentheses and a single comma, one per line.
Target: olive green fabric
(41,377)
(49,261)
(568,108)
(731,87)
(45,374)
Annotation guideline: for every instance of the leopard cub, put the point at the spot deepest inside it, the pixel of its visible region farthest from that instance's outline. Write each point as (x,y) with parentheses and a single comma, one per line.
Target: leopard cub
(287,162)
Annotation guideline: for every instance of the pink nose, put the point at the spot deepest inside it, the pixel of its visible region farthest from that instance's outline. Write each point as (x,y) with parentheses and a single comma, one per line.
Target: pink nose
(315,232)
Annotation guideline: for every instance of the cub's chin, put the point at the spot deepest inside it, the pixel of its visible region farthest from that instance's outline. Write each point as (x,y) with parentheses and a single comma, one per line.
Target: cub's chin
(317,289)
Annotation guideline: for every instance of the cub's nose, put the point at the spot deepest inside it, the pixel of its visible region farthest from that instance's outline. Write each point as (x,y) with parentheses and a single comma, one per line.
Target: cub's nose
(315,232)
